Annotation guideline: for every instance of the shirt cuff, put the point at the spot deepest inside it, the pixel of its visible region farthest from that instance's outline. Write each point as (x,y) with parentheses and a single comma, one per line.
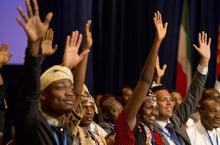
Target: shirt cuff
(202,69)
(154,84)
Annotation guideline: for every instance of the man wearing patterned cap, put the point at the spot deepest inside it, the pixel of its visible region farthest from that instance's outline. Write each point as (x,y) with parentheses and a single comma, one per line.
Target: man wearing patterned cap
(81,119)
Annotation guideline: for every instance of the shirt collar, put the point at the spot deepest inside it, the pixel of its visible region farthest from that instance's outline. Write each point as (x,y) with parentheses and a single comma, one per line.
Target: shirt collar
(51,120)
(162,124)
(211,132)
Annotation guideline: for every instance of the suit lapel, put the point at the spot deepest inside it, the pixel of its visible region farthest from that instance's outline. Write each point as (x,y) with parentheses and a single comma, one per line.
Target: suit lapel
(156,129)
(180,131)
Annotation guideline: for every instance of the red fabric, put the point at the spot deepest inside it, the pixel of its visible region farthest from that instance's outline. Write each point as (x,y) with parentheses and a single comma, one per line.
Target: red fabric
(181,83)
(158,138)
(218,53)
(123,136)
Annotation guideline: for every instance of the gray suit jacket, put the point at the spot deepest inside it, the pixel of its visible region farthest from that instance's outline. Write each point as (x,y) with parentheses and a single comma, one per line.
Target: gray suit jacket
(185,109)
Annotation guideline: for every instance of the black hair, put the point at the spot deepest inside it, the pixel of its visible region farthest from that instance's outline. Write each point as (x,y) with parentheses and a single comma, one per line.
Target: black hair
(159,87)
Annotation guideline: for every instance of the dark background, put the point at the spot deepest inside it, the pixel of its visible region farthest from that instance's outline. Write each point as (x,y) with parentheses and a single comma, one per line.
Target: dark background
(123,33)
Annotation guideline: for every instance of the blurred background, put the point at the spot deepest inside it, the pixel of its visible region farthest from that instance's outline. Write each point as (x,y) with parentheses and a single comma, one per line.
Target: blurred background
(123,33)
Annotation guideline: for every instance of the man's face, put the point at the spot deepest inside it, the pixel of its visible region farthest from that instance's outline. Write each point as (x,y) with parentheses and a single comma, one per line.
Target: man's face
(89,112)
(165,104)
(58,98)
(177,96)
(148,112)
(210,115)
(126,94)
(114,111)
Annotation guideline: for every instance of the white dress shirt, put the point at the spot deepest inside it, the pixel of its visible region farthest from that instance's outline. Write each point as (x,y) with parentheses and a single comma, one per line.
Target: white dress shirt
(198,135)
(162,126)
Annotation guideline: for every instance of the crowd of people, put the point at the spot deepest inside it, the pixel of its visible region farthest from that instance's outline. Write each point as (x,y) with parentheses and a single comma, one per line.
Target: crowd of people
(55,107)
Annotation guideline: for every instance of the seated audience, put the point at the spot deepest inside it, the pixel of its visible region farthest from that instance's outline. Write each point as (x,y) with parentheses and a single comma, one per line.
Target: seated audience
(126,129)
(147,115)
(123,94)
(98,117)
(205,131)
(81,119)
(177,97)
(84,109)
(110,110)
(43,100)
(169,124)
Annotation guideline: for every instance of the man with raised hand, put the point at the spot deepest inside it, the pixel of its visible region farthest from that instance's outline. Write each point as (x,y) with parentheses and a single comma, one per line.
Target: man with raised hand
(171,125)
(43,101)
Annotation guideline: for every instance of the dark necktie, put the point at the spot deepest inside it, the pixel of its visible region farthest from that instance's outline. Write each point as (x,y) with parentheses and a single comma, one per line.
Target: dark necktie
(173,134)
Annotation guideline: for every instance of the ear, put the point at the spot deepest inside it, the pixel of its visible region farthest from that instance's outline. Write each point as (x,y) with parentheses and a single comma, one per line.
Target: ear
(42,95)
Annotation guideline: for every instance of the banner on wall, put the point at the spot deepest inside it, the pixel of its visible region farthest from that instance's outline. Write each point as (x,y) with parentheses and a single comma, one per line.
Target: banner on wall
(183,72)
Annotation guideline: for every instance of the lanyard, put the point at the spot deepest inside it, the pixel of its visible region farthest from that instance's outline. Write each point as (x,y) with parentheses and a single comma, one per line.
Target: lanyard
(145,131)
(56,136)
(170,137)
(210,139)
(152,136)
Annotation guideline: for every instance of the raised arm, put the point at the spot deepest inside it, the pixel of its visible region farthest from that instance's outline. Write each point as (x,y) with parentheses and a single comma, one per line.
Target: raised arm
(4,58)
(35,30)
(71,58)
(33,26)
(204,48)
(159,71)
(146,75)
(194,93)
(80,71)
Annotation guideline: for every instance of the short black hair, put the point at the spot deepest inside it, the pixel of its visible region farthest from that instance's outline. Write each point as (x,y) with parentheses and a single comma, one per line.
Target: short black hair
(159,87)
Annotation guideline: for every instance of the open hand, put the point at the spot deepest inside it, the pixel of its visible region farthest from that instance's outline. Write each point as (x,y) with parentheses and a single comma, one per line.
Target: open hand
(4,56)
(32,24)
(204,48)
(46,44)
(88,36)
(160,71)
(71,57)
(161,29)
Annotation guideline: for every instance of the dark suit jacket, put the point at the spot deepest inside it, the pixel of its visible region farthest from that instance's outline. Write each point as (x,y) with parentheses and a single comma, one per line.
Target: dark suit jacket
(185,109)
(30,126)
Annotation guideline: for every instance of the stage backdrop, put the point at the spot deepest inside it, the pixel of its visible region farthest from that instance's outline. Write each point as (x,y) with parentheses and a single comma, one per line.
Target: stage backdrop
(123,34)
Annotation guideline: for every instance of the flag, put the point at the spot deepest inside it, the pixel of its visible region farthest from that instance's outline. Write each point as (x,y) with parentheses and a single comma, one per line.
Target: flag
(218,53)
(217,72)
(183,69)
